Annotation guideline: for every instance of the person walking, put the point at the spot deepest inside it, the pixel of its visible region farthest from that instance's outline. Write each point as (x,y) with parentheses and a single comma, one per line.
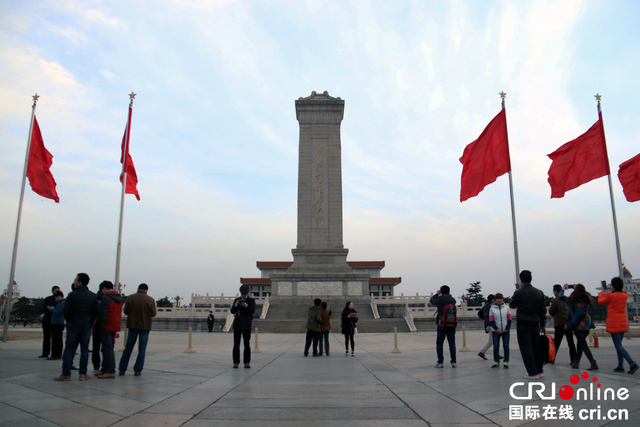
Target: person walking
(325,313)
(349,319)
(617,323)
(483,313)
(580,322)
(314,327)
(140,308)
(80,310)
(107,324)
(530,321)
(443,299)
(559,310)
(242,308)
(48,302)
(500,321)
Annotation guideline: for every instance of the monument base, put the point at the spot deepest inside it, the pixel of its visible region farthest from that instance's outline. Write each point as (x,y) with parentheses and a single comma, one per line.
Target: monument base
(319,284)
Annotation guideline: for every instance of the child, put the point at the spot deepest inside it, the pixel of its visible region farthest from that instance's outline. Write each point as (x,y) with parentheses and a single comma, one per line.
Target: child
(500,321)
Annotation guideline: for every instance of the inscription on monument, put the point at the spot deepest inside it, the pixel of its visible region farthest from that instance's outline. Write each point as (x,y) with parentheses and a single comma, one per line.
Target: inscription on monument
(319,174)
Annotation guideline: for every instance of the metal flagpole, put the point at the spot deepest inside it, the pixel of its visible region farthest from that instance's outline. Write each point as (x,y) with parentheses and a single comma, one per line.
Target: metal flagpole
(124,187)
(513,215)
(613,206)
(5,330)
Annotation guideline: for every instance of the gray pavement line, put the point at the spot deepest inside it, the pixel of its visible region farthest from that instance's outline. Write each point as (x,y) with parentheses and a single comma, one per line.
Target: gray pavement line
(421,382)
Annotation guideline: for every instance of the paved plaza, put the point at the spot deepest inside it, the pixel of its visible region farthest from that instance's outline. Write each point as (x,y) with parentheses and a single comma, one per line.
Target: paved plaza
(283,388)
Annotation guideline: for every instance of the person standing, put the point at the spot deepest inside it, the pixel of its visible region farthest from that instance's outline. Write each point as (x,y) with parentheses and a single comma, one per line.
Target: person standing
(500,321)
(107,324)
(325,313)
(442,299)
(349,319)
(80,310)
(242,308)
(57,326)
(483,313)
(530,321)
(49,301)
(559,310)
(210,320)
(140,308)
(617,321)
(314,328)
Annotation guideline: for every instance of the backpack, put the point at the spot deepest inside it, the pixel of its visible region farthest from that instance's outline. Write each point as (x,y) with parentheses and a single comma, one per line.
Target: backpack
(449,318)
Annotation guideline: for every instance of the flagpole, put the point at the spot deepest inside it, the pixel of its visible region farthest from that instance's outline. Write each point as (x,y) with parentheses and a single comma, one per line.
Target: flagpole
(5,330)
(613,206)
(513,216)
(124,187)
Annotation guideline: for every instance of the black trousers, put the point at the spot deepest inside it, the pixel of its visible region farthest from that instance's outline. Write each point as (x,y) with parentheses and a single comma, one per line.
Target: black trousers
(246,338)
(529,343)
(46,340)
(56,340)
(312,336)
(557,340)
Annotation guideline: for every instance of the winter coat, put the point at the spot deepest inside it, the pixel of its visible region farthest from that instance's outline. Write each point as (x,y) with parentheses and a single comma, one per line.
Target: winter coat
(500,317)
(616,302)
(140,308)
(326,320)
(243,315)
(440,301)
(57,315)
(110,314)
(348,323)
(46,313)
(483,313)
(314,319)
(81,307)
(579,319)
(529,302)
(559,310)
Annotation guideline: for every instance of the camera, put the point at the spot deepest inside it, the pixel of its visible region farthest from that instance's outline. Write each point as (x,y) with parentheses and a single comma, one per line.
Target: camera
(571,286)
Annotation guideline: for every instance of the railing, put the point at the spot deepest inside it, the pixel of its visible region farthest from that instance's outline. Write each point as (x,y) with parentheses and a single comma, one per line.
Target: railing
(265,308)
(374,310)
(408,317)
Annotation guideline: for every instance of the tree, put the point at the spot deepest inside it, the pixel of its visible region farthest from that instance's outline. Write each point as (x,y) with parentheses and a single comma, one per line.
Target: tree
(25,309)
(474,295)
(164,302)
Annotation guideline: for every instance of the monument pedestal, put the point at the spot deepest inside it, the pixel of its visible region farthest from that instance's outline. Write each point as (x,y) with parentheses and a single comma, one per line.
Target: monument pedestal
(319,284)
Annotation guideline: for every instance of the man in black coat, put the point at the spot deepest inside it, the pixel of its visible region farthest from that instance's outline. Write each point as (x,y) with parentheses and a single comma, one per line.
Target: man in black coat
(80,310)
(49,301)
(242,308)
(441,299)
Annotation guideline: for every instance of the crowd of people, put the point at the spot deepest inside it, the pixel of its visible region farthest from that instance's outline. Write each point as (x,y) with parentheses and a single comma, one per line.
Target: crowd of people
(86,314)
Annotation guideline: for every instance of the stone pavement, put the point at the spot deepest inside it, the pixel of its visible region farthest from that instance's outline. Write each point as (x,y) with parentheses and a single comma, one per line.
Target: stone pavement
(283,388)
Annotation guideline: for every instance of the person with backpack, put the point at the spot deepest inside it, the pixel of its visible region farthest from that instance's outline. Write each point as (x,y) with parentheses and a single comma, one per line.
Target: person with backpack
(559,310)
(107,324)
(580,321)
(500,321)
(483,313)
(446,321)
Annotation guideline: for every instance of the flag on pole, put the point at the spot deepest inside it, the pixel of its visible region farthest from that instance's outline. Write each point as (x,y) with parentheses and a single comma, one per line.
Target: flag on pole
(129,168)
(579,161)
(39,164)
(486,158)
(629,176)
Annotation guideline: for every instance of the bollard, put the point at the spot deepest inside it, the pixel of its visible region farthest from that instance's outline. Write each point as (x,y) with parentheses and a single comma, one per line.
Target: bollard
(596,344)
(256,349)
(464,348)
(126,335)
(189,349)
(590,338)
(395,340)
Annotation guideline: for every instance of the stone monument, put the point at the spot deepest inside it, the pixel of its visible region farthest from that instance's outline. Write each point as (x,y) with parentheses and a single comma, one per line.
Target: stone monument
(320,264)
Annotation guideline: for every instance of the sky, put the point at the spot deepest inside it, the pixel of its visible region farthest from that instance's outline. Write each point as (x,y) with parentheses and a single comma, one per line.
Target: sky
(214,137)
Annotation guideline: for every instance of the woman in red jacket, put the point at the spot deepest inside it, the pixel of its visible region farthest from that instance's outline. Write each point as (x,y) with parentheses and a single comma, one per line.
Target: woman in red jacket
(617,323)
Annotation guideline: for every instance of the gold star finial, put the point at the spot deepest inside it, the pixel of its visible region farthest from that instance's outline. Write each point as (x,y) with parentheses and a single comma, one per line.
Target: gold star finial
(502,95)
(598,97)
(132,95)
(35,97)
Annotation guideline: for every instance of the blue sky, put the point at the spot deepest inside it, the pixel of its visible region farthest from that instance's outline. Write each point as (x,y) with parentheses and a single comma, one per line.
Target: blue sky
(214,136)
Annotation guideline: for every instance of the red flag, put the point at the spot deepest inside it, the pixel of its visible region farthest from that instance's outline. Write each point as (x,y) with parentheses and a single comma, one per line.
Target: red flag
(486,158)
(132,177)
(579,161)
(629,176)
(38,166)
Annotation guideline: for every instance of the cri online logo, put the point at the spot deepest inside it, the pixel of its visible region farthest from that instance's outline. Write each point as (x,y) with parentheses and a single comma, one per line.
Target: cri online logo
(591,391)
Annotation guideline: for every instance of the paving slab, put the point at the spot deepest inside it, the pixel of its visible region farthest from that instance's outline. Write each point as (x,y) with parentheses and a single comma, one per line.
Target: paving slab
(284,388)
